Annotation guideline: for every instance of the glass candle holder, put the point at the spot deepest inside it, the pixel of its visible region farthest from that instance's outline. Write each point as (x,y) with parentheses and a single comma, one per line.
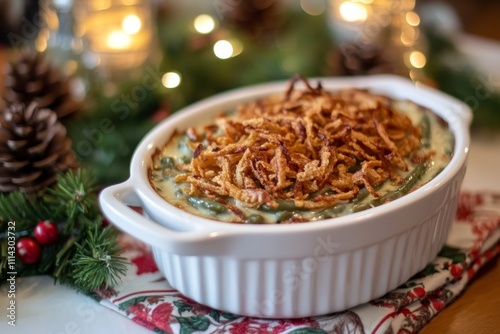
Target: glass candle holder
(117,34)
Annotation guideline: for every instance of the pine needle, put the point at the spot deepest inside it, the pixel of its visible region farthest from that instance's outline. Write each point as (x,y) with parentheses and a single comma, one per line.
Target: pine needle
(97,262)
(23,208)
(74,198)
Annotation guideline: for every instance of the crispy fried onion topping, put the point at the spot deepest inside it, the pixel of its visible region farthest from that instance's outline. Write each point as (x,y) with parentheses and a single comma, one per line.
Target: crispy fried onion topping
(311,146)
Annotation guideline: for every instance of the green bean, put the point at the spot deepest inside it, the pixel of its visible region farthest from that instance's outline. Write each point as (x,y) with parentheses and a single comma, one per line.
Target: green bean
(330,212)
(283,215)
(325,191)
(358,205)
(185,159)
(169,168)
(167,162)
(184,147)
(425,126)
(366,205)
(283,205)
(206,204)
(362,194)
(322,215)
(178,192)
(267,208)
(255,219)
(287,205)
(410,180)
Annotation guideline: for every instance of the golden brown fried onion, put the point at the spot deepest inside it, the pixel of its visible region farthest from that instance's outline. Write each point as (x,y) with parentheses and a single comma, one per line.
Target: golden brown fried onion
(330,144)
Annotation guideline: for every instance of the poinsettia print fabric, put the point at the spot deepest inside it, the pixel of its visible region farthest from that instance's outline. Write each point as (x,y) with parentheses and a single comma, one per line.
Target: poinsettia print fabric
(147,299)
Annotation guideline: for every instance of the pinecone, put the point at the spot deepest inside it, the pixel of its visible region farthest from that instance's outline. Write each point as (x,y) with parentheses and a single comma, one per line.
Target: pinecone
(33,78)
(253,16)
(33,148)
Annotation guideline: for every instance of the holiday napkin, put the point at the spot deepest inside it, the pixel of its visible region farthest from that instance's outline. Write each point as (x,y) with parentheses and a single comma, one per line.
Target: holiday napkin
(147,298)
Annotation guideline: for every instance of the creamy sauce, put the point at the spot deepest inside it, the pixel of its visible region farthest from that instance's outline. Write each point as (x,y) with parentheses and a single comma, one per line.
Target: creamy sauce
(176,151)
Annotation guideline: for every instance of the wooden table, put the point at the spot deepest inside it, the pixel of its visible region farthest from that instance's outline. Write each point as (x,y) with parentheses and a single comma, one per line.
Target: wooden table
(476,311)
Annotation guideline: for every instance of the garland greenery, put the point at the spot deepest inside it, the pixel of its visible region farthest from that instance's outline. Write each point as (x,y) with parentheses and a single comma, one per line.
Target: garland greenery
(84,256)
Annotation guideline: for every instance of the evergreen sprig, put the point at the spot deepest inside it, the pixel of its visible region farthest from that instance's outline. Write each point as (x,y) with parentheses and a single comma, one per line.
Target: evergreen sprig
(22,208)
(74,199)
(86,256)
(97,262)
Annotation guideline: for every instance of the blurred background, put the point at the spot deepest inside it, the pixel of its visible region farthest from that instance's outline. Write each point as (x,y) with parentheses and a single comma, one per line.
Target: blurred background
(476,17)
(111,69)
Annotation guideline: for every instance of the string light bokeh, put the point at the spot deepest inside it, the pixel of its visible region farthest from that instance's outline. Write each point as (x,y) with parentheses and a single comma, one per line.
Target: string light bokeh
(365,22)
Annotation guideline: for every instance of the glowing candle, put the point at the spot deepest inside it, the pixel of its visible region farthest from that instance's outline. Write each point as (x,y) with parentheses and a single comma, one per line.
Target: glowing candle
(353,12)
(117,32)
(354,20)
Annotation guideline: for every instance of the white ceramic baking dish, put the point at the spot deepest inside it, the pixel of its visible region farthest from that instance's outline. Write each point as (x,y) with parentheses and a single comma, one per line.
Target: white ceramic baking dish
(284,271)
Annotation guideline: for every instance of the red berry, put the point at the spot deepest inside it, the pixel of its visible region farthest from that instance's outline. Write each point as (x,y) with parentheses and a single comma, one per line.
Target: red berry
(105,222)
(28,250)
(46,232)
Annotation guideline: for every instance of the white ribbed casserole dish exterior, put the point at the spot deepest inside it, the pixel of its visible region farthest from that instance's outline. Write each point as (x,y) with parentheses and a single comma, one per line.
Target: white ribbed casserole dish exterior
(285,271)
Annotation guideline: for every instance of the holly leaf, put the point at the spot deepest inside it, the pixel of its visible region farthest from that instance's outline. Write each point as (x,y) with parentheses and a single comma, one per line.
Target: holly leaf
(308,330)
(193,324)
(159,331)
(427,271)
(126,304)
(455,254)
(215,315)
(181,306)
(229,316)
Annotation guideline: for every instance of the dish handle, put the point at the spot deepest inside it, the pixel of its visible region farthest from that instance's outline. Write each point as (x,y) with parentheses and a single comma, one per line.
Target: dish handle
(115,202)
